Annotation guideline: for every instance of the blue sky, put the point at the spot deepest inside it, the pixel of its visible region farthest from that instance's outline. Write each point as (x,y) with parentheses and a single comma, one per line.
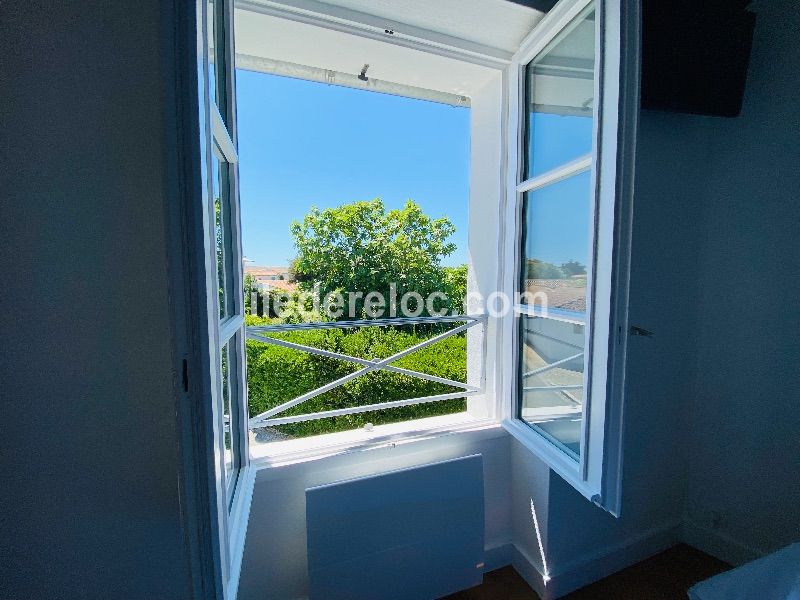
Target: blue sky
(304,143)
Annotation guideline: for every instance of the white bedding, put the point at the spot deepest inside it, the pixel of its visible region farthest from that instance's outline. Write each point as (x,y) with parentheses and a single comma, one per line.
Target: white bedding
(774,577)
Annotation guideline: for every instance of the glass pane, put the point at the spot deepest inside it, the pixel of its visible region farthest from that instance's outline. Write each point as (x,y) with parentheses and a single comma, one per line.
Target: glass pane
(559,96)
(226,409)
(556,259)
(555,247)
(216,46)
(217,167)
(551,379)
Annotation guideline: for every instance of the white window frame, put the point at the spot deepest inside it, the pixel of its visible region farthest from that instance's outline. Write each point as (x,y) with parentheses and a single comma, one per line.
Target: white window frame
(232,494)
(598,476)
(598,472)
(483,409)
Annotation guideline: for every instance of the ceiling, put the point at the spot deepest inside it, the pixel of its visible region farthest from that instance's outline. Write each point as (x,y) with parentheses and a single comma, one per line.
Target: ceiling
(496,24)
(493,23)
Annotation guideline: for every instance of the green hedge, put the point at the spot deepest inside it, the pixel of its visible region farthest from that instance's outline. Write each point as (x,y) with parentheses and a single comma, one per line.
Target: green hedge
(276,374)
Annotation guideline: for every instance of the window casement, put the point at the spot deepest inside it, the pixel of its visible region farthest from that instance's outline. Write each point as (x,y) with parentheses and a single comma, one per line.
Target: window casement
(224,300)
(572,111)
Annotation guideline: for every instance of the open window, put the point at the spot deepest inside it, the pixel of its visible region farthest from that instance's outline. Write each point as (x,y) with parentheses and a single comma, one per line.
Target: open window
(551,128)
(224,301)
(572,110)
(313,383)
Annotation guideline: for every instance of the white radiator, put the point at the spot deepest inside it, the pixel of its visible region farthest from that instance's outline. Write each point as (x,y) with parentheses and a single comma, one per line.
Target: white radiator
(413,534)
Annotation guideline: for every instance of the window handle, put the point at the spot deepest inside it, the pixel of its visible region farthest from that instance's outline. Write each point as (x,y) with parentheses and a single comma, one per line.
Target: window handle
(640,331)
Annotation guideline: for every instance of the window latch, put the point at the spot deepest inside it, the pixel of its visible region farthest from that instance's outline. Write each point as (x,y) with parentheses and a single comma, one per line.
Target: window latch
(640,331)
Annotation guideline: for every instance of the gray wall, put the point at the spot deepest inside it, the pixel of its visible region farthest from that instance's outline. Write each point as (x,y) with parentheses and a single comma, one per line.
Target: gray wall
(89,443)
(582,542)
(711,423)
(744,475)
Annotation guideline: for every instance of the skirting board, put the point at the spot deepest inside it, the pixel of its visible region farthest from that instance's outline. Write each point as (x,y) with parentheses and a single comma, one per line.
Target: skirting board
(587,570)
(719,545)
(497,556)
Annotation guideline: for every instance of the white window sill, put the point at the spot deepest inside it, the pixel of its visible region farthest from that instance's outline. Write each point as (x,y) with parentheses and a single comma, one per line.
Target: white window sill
(285,452)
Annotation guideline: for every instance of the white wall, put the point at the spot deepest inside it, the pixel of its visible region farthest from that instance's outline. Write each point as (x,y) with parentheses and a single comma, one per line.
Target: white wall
(89,446)
(275,562)
(744,475)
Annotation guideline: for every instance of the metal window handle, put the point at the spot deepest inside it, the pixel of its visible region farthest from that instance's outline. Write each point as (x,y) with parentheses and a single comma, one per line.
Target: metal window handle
(640,331)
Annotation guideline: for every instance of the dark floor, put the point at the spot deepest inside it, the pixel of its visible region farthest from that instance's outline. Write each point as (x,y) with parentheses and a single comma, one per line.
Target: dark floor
(665,576)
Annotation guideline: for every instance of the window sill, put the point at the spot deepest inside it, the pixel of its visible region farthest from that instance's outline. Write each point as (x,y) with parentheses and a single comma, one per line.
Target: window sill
(279,453)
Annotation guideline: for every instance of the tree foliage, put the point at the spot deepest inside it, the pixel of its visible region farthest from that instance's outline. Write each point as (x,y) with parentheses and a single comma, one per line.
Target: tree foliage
(362,247)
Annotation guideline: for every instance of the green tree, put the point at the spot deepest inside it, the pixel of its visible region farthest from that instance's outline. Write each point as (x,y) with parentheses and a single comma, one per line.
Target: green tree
(362,247)
(573,267)
(539,269)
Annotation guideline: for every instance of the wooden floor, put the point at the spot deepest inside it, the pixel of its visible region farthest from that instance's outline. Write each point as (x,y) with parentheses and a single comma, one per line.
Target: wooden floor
(665,576)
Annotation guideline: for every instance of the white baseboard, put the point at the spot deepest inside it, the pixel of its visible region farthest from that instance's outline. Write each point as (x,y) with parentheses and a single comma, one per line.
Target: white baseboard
(718,544)
(594,567)
(497,556)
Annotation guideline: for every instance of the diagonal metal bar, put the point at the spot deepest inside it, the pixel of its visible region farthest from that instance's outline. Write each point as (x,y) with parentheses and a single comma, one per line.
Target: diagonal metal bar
(389,322)
(361,361)
(350,376)
(546,368)
(359,409)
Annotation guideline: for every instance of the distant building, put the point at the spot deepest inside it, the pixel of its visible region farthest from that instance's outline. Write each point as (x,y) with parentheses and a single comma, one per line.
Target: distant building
(271,278)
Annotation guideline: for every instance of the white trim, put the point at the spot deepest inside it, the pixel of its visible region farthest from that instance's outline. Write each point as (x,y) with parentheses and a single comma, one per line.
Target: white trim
(583,570)
(719,545)
(230,327)
(307,450)
(222,137)
(357,23)
(555,22)
(260,64)
(239,519)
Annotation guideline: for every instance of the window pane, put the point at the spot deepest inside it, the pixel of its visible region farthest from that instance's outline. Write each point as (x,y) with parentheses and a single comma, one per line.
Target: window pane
(559,96)
(551,379)
(216,54)
(556,259)
(226,409)
(555,246)
(217,167)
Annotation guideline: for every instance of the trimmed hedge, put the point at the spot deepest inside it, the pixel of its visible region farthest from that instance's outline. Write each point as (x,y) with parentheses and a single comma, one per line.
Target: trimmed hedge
(276,374)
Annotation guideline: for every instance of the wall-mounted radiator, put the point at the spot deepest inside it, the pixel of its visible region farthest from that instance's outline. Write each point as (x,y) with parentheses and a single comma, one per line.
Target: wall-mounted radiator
(413,534)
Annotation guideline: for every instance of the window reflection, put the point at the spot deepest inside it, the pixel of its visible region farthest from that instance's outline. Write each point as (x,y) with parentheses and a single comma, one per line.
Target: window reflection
(560,100)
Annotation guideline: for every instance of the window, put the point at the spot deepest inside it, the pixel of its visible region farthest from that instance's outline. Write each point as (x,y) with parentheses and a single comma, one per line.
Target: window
(225,258)
(222,268)
(570,246)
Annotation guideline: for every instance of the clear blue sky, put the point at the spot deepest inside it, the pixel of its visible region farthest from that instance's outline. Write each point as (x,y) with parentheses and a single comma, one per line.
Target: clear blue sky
(303,143)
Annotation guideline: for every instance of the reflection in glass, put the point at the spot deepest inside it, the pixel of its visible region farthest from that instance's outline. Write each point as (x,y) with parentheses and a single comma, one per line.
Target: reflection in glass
(219,227)
(226,409)
(559,96)
(551,379)
(554,274)
(555,250)
(216,45)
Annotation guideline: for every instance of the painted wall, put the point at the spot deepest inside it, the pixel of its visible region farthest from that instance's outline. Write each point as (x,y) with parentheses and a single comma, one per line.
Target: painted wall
(744,474)
(275,560)
(581,542)
(711,421)
(89,445)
